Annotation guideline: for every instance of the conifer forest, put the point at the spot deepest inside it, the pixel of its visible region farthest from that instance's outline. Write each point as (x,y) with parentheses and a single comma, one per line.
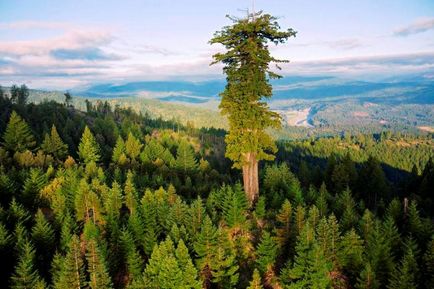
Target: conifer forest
(108,197)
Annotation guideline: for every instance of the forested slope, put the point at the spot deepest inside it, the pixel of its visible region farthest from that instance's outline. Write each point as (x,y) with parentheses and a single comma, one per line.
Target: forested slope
(108,198)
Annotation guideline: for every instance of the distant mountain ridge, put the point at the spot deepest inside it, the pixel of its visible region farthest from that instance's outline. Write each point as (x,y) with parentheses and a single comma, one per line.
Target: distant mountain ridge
(315,88)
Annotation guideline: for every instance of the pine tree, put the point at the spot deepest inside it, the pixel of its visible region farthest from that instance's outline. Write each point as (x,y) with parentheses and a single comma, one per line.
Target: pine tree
(247,61)
(132,257)
(170,268)
(215,259)
(44,239)
(88,149)
(132,147)
(283,229)
(196,215)
(266,253)
(54,145)
(185,159)
(256,281)
(71,274)
(131,196)
(428,268)
(18,136)
(113,201)
(119,152)
(367,279)
(234,206)
(99,277)
(310,268)
(43,233)
(321,201)
(405,275)
(25,275)
(189,272)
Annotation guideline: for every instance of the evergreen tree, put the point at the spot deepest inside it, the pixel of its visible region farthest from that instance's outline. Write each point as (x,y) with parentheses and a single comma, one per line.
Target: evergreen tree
(216,259)
(25,275)
(170,268)
(68,99)
(235,207)
(119,152)
(88,149)
(367,279)
(44,239)
(132,257)
(310,268)
(18,136)
(256,281)
(132,147)
(266,253)
(283,229)
(99,277)
(185,159)
(405,275)
(71,271)
(54,145)
(428,268)
(247,61)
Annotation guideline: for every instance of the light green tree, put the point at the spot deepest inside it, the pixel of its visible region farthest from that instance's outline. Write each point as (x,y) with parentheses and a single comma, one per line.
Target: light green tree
(18,136)
(88,149)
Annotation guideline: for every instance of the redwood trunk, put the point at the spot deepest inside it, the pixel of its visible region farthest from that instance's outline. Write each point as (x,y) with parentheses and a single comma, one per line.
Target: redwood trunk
(250,178)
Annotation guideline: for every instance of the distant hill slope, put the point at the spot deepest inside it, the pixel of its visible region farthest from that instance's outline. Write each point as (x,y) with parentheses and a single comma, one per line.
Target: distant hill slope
(310,105)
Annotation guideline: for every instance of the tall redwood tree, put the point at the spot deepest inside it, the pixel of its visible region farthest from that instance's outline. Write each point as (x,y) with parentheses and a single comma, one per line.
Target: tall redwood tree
(247,67)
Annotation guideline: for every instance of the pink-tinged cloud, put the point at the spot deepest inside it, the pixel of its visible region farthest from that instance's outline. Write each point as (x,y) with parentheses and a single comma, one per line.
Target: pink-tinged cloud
(69,40)
(27,25)
(419,26)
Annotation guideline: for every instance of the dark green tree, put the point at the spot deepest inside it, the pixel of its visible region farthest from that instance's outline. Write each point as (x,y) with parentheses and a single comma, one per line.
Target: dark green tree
(19,95)
(310,268)
(25,275)
(266,253)
(68,99)
(247,68)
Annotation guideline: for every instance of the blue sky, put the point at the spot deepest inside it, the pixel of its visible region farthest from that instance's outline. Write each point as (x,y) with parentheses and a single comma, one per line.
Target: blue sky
(64,44)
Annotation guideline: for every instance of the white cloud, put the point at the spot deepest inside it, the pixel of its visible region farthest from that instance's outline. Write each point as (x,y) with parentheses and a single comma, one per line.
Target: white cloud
(418,26)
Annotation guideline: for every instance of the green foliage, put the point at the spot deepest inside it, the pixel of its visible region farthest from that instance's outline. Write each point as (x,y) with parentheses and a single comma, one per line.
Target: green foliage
(234,206)
(367,279)
(132,257)
(266,253)
(310,268)
(246,62)
(119,152)
(97,267)
(18,137)
(54,145)
(216,259)
(256,281)
(71,270)
(405,275)
(25,275)
(170,268)
(88,149)
(185,159)
(132,147)
(97,224)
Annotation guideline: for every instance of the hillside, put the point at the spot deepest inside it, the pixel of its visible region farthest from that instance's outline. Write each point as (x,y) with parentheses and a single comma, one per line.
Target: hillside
(309,106)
